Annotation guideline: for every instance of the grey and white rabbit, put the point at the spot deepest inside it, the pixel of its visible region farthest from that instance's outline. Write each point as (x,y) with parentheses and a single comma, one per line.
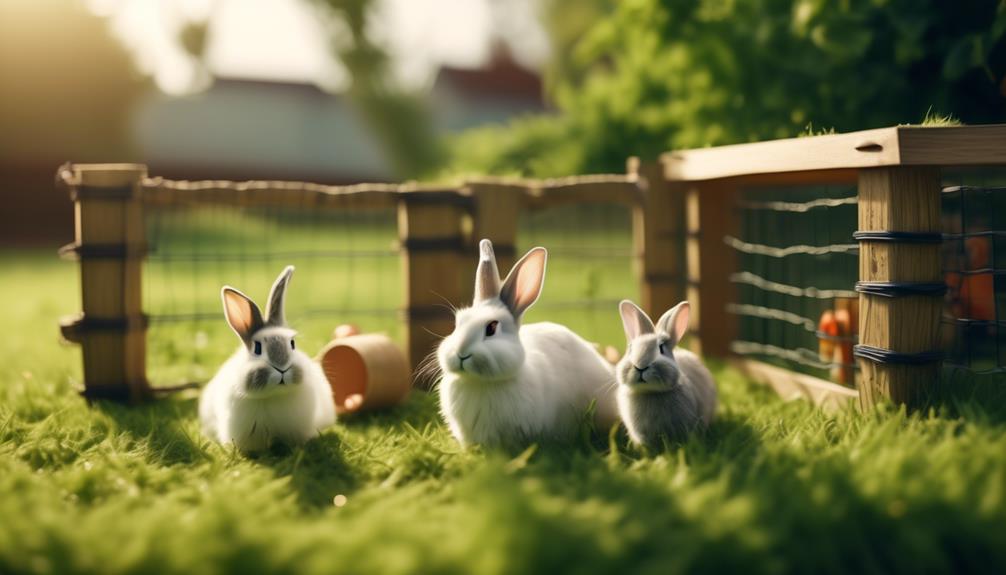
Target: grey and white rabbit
(268,390)
(504,383)
(663,391)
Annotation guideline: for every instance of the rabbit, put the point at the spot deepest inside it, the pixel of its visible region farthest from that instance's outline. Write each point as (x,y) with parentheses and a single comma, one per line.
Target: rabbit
(268,390)
(502,383)
(663,391)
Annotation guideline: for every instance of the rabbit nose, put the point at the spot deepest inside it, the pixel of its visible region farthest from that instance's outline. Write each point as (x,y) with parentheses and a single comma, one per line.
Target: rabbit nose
(640,369)
(464,357)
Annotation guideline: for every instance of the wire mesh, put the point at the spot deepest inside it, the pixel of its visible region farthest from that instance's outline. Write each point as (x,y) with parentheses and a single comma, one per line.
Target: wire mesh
(347,272)
(589,267)
(797,263)
(974,267)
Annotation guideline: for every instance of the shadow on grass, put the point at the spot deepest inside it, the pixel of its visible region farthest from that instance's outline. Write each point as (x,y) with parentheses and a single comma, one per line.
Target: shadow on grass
(161,425)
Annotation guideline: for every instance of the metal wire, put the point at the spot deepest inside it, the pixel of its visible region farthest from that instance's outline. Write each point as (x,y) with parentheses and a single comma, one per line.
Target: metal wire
(763,250)
(751,279)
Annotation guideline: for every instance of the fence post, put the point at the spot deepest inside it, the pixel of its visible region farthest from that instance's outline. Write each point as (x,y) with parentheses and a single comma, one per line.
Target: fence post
(495,216)
(711,216)
(110,245)
(433,249)
(901,284)
(657,235)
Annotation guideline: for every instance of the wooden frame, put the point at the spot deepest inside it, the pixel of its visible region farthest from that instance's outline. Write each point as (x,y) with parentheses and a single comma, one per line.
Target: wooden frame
(897,171)
(438,226)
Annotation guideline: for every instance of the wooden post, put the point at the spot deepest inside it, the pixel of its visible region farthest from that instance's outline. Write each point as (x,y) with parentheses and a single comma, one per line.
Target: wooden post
(110,244)
(903,318)
(433,249)
(495,215)
(657,234)
(711,216)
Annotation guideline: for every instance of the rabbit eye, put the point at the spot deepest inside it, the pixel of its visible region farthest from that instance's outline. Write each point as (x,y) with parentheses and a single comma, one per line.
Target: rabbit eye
(292,345)
(663,349)
(491,328)
(258,348)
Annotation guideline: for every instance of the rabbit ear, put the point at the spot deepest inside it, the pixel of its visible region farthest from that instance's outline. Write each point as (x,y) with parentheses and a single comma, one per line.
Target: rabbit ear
(634,320)
(523,285)
(674,322)
(277,298)
(487,276)
(241,312)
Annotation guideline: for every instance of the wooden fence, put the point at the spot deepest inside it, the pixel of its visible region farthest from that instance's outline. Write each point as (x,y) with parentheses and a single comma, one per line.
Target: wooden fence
(688,194)
(438,229)
(897,174)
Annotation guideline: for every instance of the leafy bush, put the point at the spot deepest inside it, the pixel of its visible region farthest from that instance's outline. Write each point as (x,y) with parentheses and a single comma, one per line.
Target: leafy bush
(657,75)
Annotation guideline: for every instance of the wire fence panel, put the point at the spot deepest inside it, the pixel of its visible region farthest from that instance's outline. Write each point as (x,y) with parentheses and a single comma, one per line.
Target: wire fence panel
(589,267)
(974,267)
(797,267)
(348,271)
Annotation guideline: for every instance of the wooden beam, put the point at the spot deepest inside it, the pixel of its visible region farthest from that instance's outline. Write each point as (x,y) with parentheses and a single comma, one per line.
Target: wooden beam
(496,212)
(433,253)
(896,146)
(710,261)
(658,235)
(899,199)
(110,244)
(793,385)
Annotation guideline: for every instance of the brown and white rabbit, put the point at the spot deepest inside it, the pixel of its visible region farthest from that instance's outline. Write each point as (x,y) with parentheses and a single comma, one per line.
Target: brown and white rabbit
(663,391)
(268,390)
(506,384)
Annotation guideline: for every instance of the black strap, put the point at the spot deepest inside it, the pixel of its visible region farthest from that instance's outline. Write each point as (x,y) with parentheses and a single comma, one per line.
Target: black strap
(77,251)
(444,244)
(899,237)
(901,289)
(881,355)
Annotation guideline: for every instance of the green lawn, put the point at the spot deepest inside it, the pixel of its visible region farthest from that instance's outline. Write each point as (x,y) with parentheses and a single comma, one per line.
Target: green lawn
(772,488)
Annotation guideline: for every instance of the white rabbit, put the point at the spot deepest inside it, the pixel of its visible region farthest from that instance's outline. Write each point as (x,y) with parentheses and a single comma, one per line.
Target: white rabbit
(268,390)
(504,384)
(663,391)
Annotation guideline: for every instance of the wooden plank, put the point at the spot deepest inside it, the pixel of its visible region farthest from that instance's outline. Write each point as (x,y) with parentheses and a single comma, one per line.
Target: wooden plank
(111,289)
(902,199)
(792,385)
(710,261)
(432,268)
(868,148)
(895,146)
(495,216)
(658,231)
(952,145)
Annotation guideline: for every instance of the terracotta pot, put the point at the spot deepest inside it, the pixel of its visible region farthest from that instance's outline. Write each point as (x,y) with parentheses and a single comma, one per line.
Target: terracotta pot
(366,372)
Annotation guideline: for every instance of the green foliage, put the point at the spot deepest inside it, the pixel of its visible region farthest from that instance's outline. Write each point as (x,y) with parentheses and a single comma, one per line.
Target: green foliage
(398,117)
(773,487)
(664,74)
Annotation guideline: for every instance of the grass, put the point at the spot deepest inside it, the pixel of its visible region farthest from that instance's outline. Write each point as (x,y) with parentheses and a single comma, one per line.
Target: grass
(773,487)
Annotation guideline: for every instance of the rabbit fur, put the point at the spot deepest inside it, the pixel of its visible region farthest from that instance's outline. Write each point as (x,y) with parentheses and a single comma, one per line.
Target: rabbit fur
(268,390)
(505,384)
(663,391)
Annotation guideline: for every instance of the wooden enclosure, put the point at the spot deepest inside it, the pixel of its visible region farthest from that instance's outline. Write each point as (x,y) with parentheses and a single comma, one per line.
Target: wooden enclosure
(897,174)
(438,232)
(682,210)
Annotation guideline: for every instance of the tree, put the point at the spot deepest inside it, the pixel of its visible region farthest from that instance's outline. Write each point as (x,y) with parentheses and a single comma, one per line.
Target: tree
(399,118)
(656,75)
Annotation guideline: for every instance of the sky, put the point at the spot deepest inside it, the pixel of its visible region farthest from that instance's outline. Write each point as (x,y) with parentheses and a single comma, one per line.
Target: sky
(283,40)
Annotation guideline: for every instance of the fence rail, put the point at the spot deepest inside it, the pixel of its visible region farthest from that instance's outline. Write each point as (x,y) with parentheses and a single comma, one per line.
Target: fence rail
(438,229)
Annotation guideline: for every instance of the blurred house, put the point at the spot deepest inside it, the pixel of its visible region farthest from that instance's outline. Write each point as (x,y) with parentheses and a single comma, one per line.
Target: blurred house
(502,89)
(251,129)
(88,106)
